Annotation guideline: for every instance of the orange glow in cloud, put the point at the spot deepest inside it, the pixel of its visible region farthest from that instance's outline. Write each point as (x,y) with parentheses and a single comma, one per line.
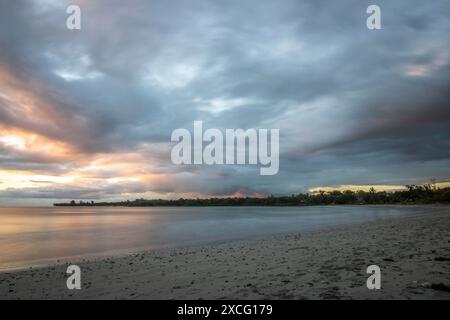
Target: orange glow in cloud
(21,141)
(421,70)
(23,179)
(237,194)
(83,170)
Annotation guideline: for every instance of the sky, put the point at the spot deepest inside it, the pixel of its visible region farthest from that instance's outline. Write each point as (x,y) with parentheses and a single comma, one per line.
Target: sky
(88,114)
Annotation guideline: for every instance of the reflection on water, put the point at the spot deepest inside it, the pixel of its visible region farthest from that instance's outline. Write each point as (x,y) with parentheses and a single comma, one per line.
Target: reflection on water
(30,236)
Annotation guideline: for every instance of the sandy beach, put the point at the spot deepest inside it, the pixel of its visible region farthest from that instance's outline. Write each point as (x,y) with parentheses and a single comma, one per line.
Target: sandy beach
(413,254)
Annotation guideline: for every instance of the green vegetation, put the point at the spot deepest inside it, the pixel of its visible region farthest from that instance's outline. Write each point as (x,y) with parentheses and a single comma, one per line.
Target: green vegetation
(426,194)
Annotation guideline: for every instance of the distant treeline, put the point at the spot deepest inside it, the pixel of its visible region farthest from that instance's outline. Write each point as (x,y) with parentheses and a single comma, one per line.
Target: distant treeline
(425,194)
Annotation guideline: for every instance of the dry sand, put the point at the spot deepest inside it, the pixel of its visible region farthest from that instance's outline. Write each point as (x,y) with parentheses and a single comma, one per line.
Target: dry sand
(413,254)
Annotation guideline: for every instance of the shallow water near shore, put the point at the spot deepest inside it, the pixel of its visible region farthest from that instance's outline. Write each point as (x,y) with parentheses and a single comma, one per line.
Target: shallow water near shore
(38,236)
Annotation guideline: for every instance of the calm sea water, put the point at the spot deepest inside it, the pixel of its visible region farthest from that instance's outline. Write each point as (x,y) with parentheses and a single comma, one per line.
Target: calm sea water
(35,236)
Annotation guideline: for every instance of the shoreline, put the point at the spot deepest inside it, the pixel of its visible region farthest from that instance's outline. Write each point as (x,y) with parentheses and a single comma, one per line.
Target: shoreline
(326,264)
(425,205)
(95,256)
(437,204)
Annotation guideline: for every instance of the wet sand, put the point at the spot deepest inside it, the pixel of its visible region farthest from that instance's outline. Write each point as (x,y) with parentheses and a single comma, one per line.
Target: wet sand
(413,254)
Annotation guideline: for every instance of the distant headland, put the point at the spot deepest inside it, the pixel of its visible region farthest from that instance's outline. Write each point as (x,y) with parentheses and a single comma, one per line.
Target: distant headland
(425,194)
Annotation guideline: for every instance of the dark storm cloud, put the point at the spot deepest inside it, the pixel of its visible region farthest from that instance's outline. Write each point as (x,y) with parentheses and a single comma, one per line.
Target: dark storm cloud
(352,105)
